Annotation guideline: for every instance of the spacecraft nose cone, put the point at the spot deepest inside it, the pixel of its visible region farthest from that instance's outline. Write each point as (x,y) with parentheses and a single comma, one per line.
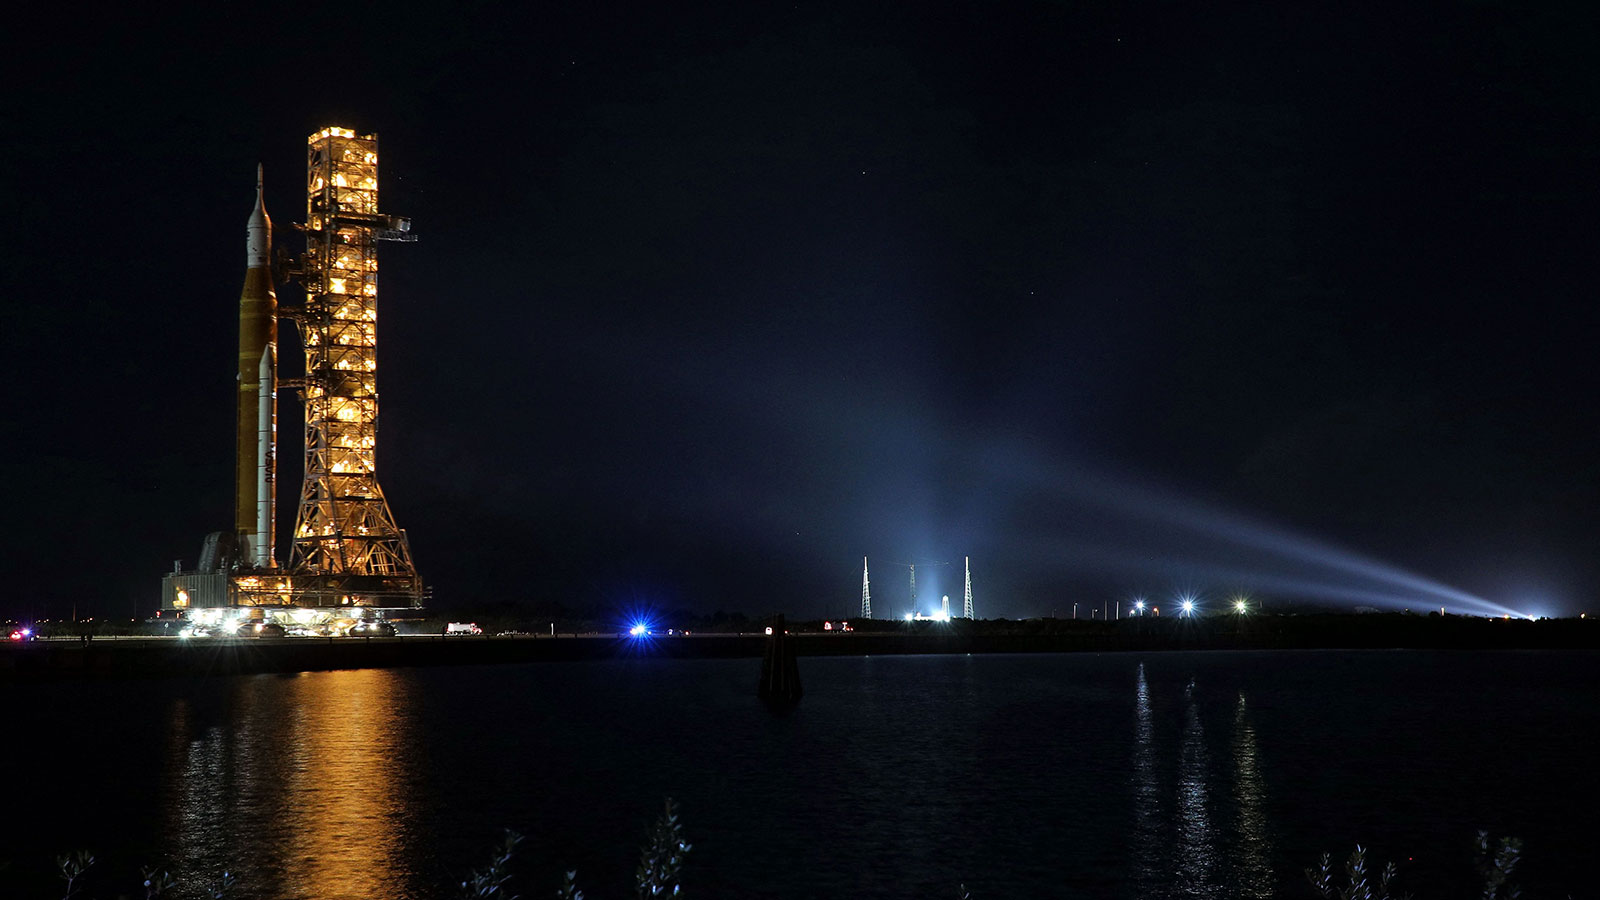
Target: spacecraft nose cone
(258,232)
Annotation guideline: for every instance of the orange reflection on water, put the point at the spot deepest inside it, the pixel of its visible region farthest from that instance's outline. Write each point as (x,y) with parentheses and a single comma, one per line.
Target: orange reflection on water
(346,824)
(297,787)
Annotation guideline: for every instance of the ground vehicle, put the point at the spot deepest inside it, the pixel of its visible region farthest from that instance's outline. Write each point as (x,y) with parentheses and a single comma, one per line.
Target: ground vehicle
(372,629)
(22,633)
(463,628)
(261,629)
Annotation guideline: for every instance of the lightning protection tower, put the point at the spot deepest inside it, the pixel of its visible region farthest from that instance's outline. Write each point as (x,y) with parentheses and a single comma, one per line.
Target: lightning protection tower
(346,549)
(866,592)
(967,606)
(912,579)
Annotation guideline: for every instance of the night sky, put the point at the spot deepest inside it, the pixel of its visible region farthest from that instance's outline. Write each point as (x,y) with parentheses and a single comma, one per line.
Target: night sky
(712,300)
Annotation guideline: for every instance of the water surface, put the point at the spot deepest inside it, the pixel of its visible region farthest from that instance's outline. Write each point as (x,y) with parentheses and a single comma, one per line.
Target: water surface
(1208,775)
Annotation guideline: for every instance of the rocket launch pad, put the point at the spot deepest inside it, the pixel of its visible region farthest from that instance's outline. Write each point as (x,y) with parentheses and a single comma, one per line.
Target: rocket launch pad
(347,558)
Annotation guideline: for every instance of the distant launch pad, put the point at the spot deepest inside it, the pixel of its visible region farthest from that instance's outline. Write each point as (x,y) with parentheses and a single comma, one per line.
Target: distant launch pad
(942,615)
(347,559)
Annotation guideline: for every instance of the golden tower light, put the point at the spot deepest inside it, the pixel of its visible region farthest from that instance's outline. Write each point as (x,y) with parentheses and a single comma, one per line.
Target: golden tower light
(346,549)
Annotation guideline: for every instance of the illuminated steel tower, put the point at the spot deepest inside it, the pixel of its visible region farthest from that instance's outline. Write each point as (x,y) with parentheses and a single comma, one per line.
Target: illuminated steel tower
(866,592)
(967,609)
(346,548)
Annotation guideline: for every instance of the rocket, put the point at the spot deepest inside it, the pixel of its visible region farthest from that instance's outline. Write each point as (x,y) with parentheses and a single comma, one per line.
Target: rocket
(256,489)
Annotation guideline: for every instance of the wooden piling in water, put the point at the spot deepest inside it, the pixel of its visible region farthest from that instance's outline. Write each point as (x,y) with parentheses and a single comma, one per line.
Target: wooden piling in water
(780,673)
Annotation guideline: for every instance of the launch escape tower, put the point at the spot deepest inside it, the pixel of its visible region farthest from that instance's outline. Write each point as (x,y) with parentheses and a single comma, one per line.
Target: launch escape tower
(346,548)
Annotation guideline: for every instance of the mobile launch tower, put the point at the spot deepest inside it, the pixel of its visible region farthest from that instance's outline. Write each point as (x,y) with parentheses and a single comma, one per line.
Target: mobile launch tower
(347,557)
(346,544)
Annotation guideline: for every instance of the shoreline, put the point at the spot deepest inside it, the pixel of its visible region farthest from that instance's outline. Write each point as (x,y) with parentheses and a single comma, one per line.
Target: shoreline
(155,657)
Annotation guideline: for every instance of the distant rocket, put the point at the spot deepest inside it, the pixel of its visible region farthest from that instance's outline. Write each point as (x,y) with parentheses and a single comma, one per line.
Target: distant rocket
(256,489)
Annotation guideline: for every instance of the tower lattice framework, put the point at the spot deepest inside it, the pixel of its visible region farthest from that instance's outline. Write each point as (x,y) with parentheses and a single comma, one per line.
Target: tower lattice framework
(866,591)
(346,548)
(966,606)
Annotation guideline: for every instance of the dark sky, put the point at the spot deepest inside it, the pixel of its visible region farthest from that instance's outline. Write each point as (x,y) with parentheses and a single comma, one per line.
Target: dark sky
(712,300)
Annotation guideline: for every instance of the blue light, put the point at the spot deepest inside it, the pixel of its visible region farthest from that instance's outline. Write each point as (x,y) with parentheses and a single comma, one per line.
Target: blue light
(639,629)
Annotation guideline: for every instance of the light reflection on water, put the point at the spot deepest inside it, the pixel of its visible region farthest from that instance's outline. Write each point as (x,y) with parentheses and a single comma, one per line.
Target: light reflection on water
(294,785)
(198,792)
(1183,856)
(1023,776)
(1197,845)
(296,789)
(1149,846)
(1253,874)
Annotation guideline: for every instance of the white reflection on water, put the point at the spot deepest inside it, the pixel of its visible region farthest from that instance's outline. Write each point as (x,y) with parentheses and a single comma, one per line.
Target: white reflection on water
(1253,874)
(303,790)
(1196,842)
(199,794)
(1150,852)
(1191,861)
